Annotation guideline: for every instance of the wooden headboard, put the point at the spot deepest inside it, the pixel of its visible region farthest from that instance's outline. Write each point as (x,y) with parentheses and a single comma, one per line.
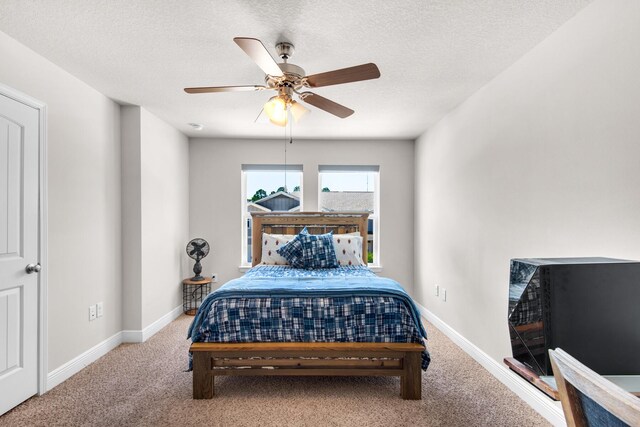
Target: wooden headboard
(316,223)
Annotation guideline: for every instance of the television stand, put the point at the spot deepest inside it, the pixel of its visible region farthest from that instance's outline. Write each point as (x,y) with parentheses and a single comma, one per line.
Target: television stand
(528,374)
(547,384)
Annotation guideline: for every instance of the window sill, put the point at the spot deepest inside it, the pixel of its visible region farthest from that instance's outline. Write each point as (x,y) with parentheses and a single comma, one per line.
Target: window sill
(375,268)
(244,268)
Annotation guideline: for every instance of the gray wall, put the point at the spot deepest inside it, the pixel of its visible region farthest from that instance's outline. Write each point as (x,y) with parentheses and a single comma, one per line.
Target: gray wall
(165,216)
(216,202)
(130,131)
(544,161)
(103,209)
(155,214)
(84,200)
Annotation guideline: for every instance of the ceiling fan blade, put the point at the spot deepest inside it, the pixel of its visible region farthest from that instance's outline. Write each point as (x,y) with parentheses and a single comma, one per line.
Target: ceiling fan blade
(326,105)
(224,89)
(256,51)
(344,75)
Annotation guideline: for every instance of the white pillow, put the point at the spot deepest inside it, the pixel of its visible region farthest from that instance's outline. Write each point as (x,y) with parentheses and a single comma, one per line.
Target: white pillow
(270,244)
(348,248)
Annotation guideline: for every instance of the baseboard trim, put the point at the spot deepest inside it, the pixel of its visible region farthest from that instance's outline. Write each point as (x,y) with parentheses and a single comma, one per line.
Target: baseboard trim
(80,362)
(146,333)
(546,407)
(132,336)
(72,367)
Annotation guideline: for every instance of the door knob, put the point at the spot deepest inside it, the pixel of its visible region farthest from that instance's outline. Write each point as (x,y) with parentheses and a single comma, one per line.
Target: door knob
(33,268)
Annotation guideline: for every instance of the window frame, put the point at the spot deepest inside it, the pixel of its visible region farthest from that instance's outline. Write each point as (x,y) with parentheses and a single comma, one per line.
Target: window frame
(375,216)
(245,215)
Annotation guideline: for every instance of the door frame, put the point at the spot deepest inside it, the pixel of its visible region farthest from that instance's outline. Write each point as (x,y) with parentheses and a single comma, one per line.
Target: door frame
(43,341)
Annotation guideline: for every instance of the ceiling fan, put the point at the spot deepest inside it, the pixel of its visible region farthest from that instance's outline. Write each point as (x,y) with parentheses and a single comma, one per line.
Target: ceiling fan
(289,79)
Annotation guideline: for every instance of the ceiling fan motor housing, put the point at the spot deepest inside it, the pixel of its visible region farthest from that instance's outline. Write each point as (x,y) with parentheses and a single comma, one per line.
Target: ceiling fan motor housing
(285,50)
(292,77)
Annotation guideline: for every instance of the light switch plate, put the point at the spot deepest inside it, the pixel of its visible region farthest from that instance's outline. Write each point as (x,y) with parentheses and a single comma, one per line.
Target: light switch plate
(92,312)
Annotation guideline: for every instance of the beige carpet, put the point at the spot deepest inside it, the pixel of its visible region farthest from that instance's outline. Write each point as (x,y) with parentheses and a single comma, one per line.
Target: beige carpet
(144,384)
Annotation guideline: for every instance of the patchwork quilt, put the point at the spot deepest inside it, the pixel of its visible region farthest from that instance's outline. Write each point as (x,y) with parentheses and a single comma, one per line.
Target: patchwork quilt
(286,304)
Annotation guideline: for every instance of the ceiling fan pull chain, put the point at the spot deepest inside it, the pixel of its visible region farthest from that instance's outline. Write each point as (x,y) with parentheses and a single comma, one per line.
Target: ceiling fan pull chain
(290,131)
(285,159)
(258,116)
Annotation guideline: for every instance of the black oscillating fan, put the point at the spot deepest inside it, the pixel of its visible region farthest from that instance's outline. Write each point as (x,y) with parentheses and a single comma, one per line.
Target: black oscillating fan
(197,249)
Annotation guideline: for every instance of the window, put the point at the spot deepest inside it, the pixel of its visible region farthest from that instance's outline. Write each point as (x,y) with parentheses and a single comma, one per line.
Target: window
(353,189)
(268,188)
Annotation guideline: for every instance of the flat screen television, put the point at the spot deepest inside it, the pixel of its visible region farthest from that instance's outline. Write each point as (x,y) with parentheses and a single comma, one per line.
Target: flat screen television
(589,307)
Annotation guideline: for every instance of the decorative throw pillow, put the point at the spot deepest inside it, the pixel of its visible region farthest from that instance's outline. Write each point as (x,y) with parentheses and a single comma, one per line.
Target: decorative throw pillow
(292,251)
(348,249)
(270,245)
(318,251)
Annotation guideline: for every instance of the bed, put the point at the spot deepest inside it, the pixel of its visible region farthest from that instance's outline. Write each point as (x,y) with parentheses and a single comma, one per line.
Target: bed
(280,320)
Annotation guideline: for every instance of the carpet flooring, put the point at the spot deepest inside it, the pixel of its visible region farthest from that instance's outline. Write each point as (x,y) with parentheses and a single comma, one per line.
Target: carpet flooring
(144,385)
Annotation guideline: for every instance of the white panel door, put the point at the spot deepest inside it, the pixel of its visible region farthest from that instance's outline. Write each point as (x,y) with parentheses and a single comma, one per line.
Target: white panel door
(19,127)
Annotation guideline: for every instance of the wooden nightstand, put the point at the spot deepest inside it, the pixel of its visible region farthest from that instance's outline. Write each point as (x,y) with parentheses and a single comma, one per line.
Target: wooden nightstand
(193,292)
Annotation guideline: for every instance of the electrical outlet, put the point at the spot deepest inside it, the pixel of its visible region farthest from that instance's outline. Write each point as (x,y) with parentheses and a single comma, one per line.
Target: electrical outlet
(214,278)
(444,295)
(100,309)
(437,290)
(92,312)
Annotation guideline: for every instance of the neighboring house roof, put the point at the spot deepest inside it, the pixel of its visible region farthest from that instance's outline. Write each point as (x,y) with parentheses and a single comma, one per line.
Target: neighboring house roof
(347,201)
(279,201)
(274,195)
(331,201)
(252,207)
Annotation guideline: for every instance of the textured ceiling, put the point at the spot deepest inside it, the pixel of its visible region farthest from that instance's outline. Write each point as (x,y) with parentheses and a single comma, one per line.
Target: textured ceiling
(432,54)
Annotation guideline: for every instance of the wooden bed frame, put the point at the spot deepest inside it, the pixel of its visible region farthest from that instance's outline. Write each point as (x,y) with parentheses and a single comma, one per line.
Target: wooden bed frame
(307,358)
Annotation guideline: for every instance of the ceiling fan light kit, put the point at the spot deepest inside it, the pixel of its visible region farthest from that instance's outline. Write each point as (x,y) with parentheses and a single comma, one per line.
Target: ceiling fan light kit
(276,110)
(297,110)
(288,79)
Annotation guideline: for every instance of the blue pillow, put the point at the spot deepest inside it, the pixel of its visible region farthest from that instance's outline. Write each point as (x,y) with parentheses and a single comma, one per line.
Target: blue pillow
(292,251)
(318,251)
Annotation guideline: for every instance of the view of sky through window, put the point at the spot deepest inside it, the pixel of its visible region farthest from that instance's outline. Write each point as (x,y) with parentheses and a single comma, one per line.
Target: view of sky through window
(271,180)
(349,181)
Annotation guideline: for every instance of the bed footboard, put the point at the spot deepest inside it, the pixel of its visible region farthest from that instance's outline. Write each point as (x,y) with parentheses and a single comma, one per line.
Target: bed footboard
(306,359)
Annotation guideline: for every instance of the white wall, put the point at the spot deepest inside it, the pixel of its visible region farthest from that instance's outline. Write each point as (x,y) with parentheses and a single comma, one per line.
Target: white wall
(90,236)
(84,200)
(155,216)
(216,202)
(130,134)
(544,161)
(165,216)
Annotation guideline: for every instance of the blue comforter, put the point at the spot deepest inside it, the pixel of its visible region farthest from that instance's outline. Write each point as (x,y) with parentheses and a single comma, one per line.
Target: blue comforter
(280,304)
